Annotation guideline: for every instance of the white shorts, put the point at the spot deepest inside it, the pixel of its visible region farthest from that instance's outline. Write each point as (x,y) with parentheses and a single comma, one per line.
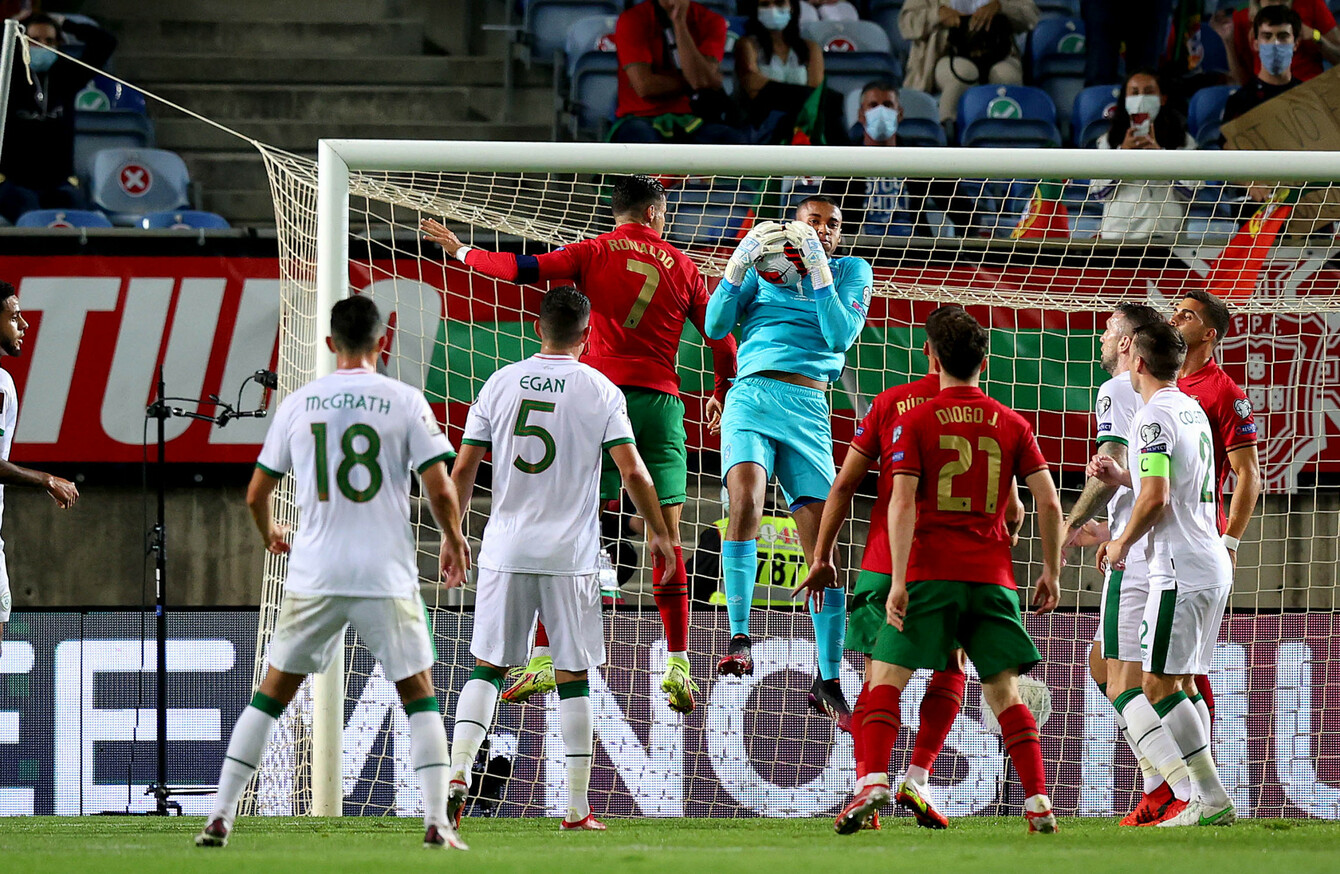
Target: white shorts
(507,604)
(1180,628)
(1125,594)
(6,602)
(310,630)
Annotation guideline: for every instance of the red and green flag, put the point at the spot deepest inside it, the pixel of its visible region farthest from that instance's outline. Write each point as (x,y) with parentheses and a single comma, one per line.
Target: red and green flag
(1235,272)
(1045,217)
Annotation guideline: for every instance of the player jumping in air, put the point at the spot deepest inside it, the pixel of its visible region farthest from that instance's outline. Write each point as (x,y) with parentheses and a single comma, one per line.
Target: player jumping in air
(1115,657)
(1190,573)
(794,345)
(873,445)
(548,421)
(12,328)
(352,438)
(952,577)
(642,291)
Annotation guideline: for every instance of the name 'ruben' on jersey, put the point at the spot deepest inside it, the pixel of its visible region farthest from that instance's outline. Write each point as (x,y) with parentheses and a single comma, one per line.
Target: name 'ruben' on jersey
(351,440)
(548,419)
(1175,440)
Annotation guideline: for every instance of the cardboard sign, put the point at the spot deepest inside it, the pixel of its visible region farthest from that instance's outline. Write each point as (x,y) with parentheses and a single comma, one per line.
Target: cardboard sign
(1306,118)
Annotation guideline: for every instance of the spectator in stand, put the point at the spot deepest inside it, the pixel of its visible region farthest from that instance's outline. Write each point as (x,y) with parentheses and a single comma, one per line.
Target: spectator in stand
(960,43)
(1140,26)
(670,86)
(1133,210)
(1317,40)
(827,10)
(779,74)
(37,164)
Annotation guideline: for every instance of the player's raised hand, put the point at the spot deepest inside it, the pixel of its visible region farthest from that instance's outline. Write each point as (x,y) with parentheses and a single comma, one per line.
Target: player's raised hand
(453,559)
(822,576)
(442,235)
(276,541)
(895,608)
(62,491)
(714,409)
(813,258)
(1105,469)
(1047,593)
(761,238)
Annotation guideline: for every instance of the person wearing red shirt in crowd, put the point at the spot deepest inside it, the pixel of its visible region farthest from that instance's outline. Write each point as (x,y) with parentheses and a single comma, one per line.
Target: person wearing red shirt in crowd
(1318,40)
(670,84)
(952,573)
(873,446)
(1203,321)
(642,291)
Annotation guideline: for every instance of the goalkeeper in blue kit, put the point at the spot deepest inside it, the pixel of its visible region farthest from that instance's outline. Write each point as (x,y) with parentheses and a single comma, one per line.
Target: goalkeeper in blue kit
(793,346)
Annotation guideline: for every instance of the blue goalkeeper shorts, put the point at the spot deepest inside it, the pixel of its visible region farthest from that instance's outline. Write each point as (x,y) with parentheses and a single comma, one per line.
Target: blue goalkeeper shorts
(783,427)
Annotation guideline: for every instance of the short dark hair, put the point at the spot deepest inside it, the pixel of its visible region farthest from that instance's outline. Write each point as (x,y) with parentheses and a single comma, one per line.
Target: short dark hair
(1162,348)
(356,324)
(959,341)
(6,291)
(43,18)
(879,85)
(1216,311)
(820,198)
(939,313)
(1277,15)
(1137,316)
(633,194)
(564,314)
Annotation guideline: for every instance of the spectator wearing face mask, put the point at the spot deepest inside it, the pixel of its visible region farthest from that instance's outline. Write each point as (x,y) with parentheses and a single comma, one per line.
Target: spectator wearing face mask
(1317,41)
(37,162)
(781,77)
(1135,210)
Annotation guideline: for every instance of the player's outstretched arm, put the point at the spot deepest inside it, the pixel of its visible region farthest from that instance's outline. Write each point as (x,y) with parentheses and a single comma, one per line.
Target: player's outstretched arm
(260,489)
(1096,492)
(62,491)
(841,308)
(823,570)
(637,482)
(902,523)
(1105,469)
(454,553)
(1048,505)
(560,264)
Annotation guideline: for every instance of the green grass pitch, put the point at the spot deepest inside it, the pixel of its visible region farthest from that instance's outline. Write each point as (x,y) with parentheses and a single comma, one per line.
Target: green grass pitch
(108,845)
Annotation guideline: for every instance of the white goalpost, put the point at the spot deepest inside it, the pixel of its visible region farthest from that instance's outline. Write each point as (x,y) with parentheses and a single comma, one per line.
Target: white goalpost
(348,223)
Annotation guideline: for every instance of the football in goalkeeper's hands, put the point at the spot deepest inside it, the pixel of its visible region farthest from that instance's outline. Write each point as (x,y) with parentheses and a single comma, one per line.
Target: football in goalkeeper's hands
(781,266)
(1036,697)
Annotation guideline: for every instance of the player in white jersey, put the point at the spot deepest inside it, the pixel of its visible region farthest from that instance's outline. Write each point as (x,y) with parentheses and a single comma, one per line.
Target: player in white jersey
(1190,574)
(1115,660)
(352,439)
(547,420)
(12,328)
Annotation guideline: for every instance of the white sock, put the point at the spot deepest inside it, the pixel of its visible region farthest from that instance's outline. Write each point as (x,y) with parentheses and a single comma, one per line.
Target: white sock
(1203,711)
(429,755)
(245,746)
(574,716)
(682,654)
(474,715)
(917,775)
(1150,774)
(1183,723)
(860,784)
(1152,740)
(539,652)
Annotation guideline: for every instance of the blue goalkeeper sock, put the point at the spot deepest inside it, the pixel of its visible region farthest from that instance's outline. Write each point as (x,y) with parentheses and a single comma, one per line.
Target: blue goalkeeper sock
(739,565)
(830,632)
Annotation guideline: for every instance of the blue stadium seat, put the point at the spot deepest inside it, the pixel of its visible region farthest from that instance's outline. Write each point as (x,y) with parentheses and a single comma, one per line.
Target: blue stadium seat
(546,23)
(109,129)
(720,7)
(1057,58)
(1007,116)
(705,216)
(735,26)
(592,67)
(854,53)
(128,184)
(1092,113)
(1205,113)
(1215,59)
(921,117)
(102,94)
(885,14)
(1049,9)
(184,219)
(62,218)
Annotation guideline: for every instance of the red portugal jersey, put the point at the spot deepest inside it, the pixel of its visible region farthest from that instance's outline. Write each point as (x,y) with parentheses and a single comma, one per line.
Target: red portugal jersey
(1231,419)
(965,448)
(874,439)
(642,291)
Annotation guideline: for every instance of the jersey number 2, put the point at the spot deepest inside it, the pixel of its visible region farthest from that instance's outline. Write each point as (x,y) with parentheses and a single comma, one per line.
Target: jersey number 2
(945,499)
(651,278)
(366,457)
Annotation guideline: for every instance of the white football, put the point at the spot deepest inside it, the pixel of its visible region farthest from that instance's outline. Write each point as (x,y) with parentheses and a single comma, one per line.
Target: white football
(1036,697)
(776,267)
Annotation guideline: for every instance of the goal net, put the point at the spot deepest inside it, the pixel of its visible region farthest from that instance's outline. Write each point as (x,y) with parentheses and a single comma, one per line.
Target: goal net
(1040,249)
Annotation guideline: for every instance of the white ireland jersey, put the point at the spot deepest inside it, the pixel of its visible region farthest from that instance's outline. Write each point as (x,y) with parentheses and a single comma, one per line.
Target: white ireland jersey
(1175,441)
(9,418)
(1115,411)
(351,440)
(549,420)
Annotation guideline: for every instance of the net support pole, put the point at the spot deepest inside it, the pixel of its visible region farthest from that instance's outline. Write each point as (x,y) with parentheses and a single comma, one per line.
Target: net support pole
(332,284)
(7,50)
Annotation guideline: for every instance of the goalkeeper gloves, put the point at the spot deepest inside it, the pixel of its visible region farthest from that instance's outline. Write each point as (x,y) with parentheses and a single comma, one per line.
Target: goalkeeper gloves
(764,237)
(812,255)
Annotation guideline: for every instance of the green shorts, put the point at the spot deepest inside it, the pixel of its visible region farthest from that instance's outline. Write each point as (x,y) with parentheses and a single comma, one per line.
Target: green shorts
(867,613)
(941,614)
(658,434)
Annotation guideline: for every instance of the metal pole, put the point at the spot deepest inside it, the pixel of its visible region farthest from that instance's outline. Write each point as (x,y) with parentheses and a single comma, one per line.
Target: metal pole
(160,607)
(11,42)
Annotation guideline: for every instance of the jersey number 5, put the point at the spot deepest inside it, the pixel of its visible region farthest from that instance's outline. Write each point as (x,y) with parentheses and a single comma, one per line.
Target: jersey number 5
(945,500)
(525,429)
(366,457)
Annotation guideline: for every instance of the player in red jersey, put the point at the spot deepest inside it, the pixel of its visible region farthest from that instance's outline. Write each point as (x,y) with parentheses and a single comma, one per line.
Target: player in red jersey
(1203,321)
(952,574)
(642,291)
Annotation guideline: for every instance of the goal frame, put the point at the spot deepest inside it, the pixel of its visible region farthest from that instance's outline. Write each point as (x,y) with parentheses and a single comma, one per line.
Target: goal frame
(337,159)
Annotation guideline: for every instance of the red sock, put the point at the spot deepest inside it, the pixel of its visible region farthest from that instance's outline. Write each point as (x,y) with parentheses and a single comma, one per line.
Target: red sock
(1203,687)
(1020,733)
(541,636)
(672,602)
(939,709)
(857,741)
(880,726)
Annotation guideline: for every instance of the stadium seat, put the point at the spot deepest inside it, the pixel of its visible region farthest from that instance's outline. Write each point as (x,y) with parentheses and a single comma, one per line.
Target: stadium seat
(184,219)
(128,184)
(705,216)
(921,117)
(1057,58)
(102,94)
(1007,116)
(1092,113)
(720,7)
(592,66)
(885,14)
(1205,113)
(1050,9)
(109,129)
(1215,59)
(854,53)
(546,23)
(62,218)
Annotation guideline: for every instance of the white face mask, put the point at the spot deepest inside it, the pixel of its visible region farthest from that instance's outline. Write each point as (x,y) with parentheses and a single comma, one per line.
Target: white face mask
(1143,104)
